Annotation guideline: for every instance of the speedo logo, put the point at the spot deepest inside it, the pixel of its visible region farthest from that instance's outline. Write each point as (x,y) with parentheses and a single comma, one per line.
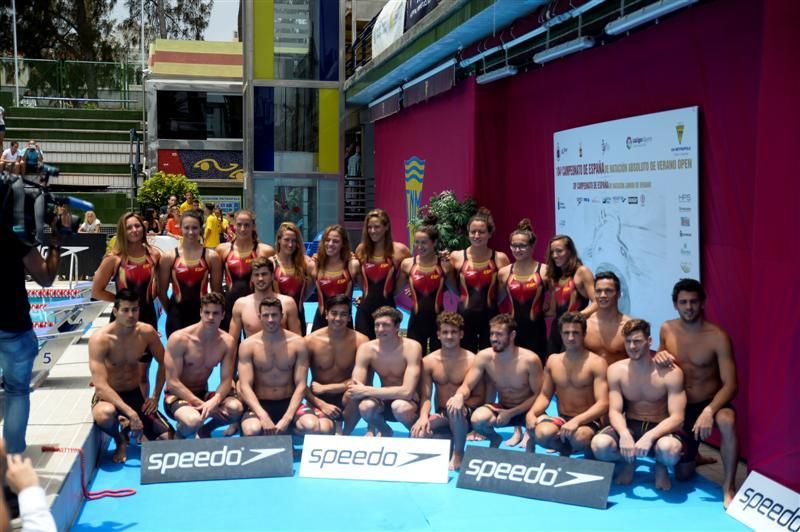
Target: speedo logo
(380,458)
(539,474)
(199,459)
(784,516)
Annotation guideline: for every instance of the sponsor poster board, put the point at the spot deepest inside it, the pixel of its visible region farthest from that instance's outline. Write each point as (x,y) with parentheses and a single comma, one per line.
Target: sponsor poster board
(763,504)
(216,459)
(226,203)
(537,476)
(388,459)
(627,193)
(389,26)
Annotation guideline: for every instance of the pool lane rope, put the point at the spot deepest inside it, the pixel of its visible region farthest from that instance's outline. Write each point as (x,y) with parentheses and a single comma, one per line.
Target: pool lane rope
(89,495)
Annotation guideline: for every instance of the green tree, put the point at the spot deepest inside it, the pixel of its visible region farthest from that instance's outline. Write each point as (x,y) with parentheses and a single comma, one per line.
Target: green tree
(160,186)
(166,19)
(78,30)
(451,217)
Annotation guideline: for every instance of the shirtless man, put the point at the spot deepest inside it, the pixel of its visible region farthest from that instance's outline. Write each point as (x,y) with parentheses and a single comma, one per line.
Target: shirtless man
(604,327)
(515,371)
(332,356)
(273,371)
(397,362)
(245,314)
(703,351)
(114,353)
(192,354)
(447,367)
(578,379)
(646,404)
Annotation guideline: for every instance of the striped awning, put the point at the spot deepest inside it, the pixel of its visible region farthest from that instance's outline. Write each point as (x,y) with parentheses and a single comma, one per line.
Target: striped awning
(205,59)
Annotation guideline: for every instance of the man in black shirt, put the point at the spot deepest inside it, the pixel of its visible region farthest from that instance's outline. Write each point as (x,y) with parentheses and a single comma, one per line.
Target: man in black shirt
(18,344)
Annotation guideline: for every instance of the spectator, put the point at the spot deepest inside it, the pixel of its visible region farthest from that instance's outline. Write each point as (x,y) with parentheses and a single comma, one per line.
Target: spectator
(211,232)
(28,100)
(10,158)
(17,472)
(189,203)
(162,221)
(195,205)
(174,223)
(223,225)
(2,126)
(31,159)
(91,224)
(151,224)
(171,202)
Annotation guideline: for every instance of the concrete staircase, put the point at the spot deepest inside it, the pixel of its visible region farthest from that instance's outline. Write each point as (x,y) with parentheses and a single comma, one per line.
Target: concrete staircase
(90,146)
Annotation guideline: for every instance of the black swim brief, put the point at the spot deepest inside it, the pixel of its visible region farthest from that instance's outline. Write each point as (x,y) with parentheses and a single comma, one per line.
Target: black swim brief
(154,424)
(172,402)
(638,428)
(516,421)
(692,413)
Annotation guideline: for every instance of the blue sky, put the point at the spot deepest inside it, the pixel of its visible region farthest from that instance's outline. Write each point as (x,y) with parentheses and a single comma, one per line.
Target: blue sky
(220,27)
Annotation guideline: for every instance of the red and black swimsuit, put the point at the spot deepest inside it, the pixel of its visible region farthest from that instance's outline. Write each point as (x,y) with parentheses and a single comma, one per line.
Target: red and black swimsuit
(288,283)
(237,279)
(139,275)
(427,295)
(189,283)
(477,303)
(567,299)
(330,284)
(377,274)
(526,295)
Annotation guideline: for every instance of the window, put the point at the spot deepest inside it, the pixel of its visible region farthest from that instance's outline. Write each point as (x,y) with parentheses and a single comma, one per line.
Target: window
(193,115)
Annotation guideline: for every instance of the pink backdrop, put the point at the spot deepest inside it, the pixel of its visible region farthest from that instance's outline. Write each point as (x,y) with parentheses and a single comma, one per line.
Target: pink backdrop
(737,61)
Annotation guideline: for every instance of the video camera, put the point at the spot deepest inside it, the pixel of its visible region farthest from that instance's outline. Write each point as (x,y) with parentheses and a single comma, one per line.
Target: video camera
(27,206)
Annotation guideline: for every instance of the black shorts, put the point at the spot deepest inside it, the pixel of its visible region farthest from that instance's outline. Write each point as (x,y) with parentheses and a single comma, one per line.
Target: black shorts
(154,424)
(445,430)
(516,421)
(560,420)
(637,428)
(692,412)
(172,402)
(276,408)
(388,415)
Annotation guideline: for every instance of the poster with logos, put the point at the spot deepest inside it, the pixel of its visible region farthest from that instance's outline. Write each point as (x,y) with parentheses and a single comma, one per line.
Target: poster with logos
(627,193)
(226,203)
(388,26)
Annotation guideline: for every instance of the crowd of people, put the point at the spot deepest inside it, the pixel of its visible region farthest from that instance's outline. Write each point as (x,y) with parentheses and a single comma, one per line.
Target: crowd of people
(238,305)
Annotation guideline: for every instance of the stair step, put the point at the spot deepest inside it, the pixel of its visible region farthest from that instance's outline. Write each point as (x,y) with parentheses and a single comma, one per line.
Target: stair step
(91,114)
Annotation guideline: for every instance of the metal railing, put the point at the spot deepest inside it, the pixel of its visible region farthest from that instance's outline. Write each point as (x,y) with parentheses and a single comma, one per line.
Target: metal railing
(360,53)
(80,84)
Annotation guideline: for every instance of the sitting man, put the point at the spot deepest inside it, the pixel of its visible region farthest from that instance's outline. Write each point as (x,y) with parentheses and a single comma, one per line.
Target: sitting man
(192,354)
(516,372)
(332,356)
(447,367)
(118,405)
(246,310)
(646,405)
(31,159)
(397,362)
(10,158)
(577,377)
(703,351)
(273,371)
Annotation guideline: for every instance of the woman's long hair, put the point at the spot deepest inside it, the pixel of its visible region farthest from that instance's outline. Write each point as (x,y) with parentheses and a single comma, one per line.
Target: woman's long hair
(120,247)
(554,273)
(298,257)
(367,249)
(344,253)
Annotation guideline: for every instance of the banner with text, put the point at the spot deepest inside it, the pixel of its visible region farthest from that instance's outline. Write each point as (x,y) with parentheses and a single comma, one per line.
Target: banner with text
(359,458)
(216,459)
(627,193)
(763,504)
(388,26)
(537,476)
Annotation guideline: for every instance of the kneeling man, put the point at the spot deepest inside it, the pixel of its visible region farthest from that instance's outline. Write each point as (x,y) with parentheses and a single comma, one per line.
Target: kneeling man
(273,368)
(516,373)
(447,367)
(578,379)
(192,354)
(646,408)
(118,405)
(397,362)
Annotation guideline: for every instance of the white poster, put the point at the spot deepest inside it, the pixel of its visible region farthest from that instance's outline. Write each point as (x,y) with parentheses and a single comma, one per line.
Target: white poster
(389,26)
(627,193)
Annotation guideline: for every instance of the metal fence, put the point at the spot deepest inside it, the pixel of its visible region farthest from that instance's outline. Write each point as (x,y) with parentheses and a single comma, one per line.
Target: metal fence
(82,84)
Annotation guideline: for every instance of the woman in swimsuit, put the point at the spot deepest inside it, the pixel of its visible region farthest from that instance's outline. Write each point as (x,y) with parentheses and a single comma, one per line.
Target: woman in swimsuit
(571,286)
(334,270)
(379,256)
(236,258)
(292,268)
(190,268)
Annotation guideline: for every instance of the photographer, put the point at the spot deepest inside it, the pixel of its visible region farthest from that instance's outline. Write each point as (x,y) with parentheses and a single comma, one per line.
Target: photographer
(18,344)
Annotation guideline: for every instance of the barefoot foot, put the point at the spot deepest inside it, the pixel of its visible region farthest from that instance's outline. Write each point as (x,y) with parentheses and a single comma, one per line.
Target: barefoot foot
(515,438)
(475,436)
(625,475)
(663,482)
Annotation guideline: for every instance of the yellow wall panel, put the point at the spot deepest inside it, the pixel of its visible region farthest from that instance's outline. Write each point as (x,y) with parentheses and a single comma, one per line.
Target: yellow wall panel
(329,131)
(263,39)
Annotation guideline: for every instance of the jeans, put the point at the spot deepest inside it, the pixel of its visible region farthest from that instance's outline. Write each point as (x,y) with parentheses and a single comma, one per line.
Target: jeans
(17,353)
